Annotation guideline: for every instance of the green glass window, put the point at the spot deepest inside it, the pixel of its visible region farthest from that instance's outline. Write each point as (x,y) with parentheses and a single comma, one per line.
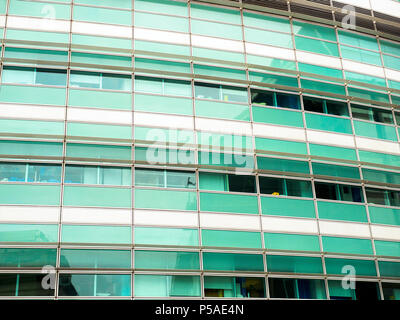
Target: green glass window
(383,215)
(102,15)
(214,29)
(23,285)
(332,152)
(227,182)
(147,285)
(373,130)
(339,192)
(234,287)
(166,87)
(96,234)
(360,55)
(97,196)
(362,291)
(27,258)
(358,40)
(391,291)
(336,266)
(321,122)
(232,261)
(226,159)
(335,171)
(97,80)
(38,9)
(100,285)
(282,165)
(30,172)
(286,187)
(384,197)
(381,176)
(34,76)
(281,146)
(295,242)
(347,245)
(215,13)
(271,38)
(387,248)
(222,110)
(165,178)
(29,194)
(162,6)
(234,203)
(155,155)
(231,239)
(163,22)
(275,99)
(118,176)
(297,288)
(28,233)
(97,151)
(389,269)
(166,236)
(341,211)
(166,260)
(166,199)
(266,22)
(313,30)
(294,264)
(219,92)
(336,108)
(317,46)
(277,206)
(277,116)
(95,259)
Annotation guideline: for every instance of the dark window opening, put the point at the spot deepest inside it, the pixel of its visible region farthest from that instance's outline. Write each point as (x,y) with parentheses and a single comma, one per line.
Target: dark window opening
(318,105)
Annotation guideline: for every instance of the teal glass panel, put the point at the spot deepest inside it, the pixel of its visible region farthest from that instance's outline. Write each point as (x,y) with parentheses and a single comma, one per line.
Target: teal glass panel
(167,286)
(166,260)
(164,135)
(266,22)
(99,130)
(155,21)
(33,95)
(317,46)
(98,99)
(106,3)
(390,47)
(320,122)
(232,261)
(162,6)
(95,259)
(32,127)
(215,13)
(97,197)
(364,78)
(381,158)
(387,248)
(383,215)
(347,245)
(96,234)
(95,151)
(277,116)
(293,242)
(162,65)
(281,146)
(218,202)
(271,62)
(231,239)
(234,287)
(368,95)
(341,211)
(315,31)
(39,10)
(273,79)
(166,236)
(31,148)
(222,110)
(282,165)
(374,130)
(153,48)
(297,288)
(331,170)
(358,40)
(318,70)
(214,29)
(224,140)
(30,172)
(162,104)
(332,152)
(223,73)
(178,200)
(28,233)
(271,38)
(102,43)
(389,269)
(165,178)
(29,194)
(100,285)
(216,54)
(36,54)
(279,206)
(361,55)
(27,258)
(294,264)
(381,176)
(226,159)
(48,38)
(322,86)
(156,155)
(391,62)
(102,15)
(362,267)
(100,60)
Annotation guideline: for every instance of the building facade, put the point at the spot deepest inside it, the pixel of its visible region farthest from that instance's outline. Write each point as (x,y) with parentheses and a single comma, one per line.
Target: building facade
(200,149)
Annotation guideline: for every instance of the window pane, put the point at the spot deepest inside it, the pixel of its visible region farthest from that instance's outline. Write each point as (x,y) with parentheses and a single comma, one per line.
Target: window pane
(297,288)
(73,258)
(167,286)
(232,261)
(234,287)
(168,260)
(21,258)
